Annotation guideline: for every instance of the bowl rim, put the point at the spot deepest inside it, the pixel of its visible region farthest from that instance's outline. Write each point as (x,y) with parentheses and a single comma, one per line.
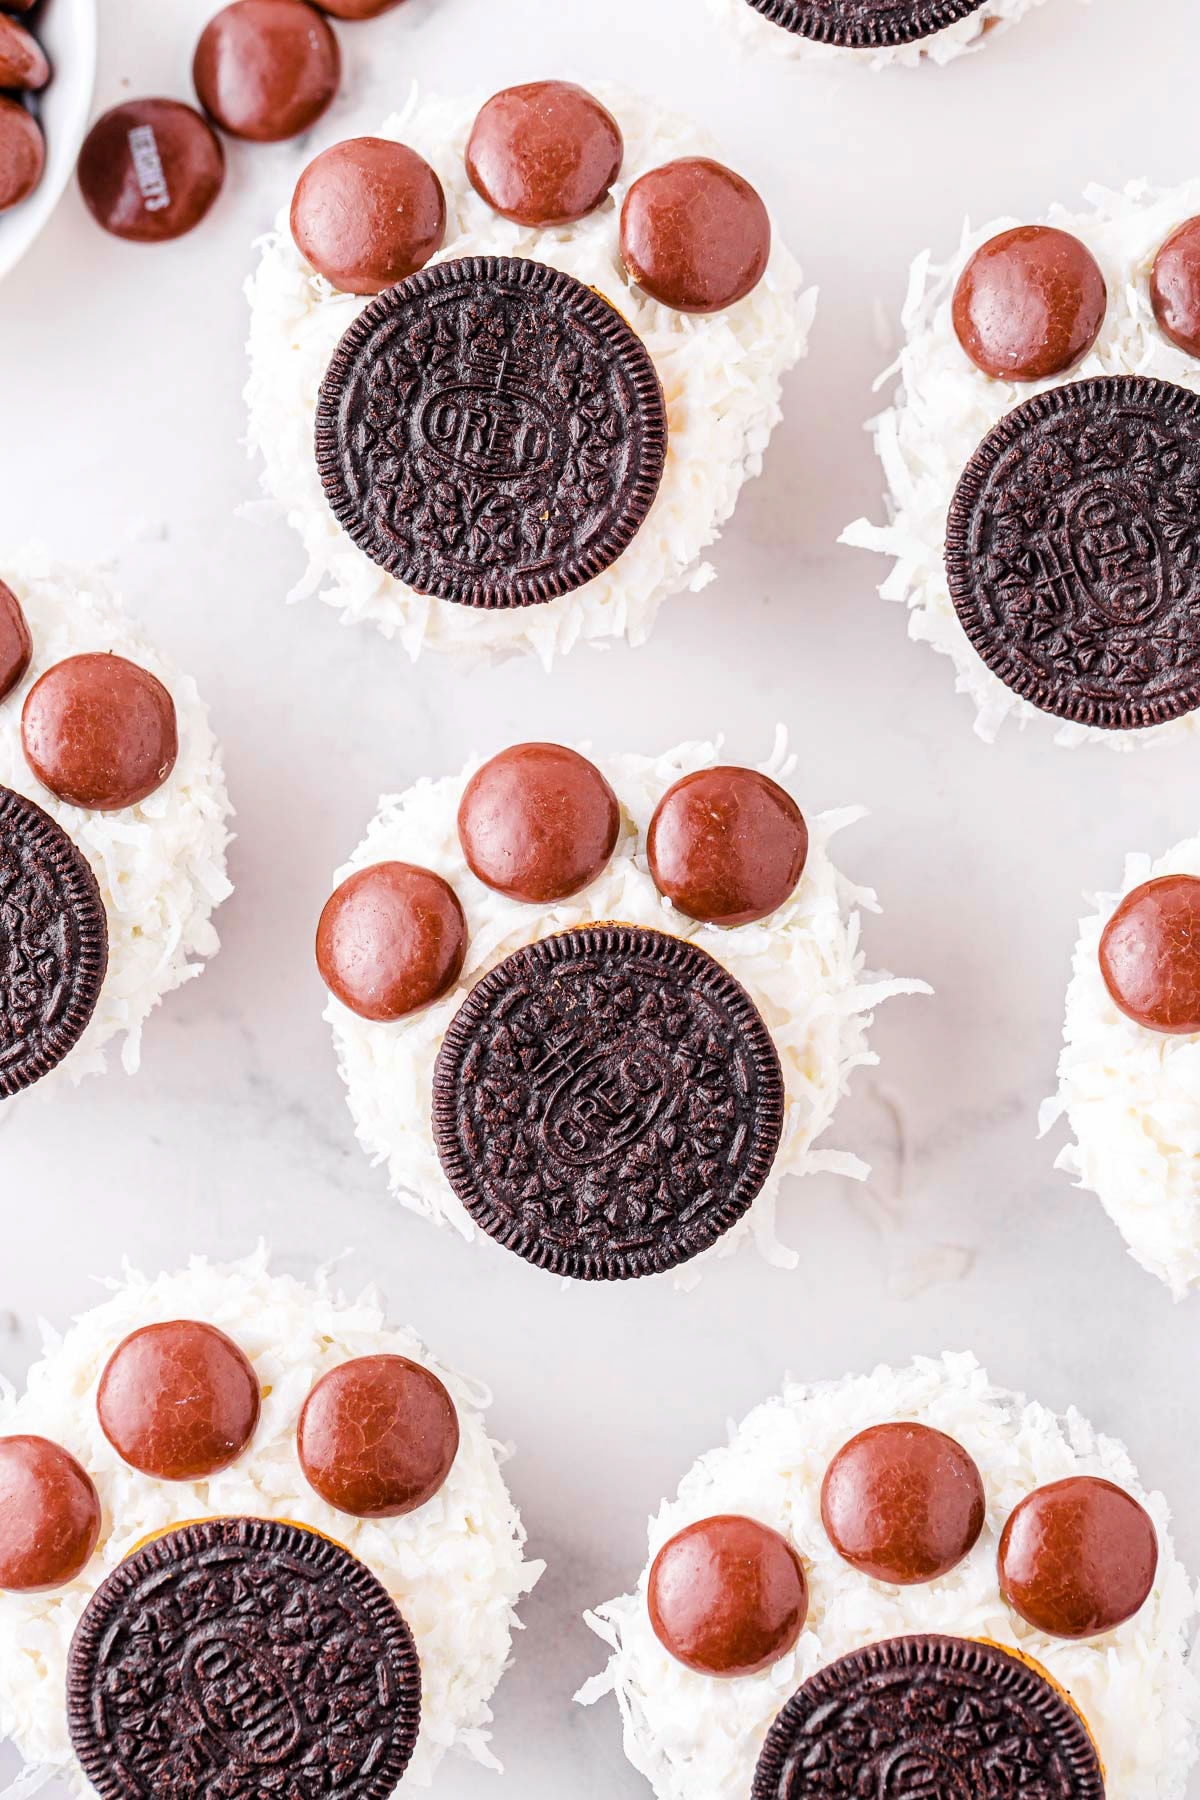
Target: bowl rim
(23,224)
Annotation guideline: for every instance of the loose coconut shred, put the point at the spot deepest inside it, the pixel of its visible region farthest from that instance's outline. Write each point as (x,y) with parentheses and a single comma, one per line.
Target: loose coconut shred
(160,864)
(803,967)
(721,376)
(945,407)
(697,1737)
(455,1567)
(758,33)
(1132,1099)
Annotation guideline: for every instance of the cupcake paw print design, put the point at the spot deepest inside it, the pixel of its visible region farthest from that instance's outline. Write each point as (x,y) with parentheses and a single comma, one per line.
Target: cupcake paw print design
(1043,460)
(879,33)
(598,1011)
(1127,1076)
(113,828)
(273,1554)
(540,343)
(913,1585)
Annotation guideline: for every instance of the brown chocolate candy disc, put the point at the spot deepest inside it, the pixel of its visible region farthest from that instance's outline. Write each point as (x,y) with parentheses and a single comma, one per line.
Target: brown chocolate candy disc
(150,170)
(356,9)
(902,1503)
(1078,1558)
(267,69)
(178,1401)
(49,1515)
(1150,955)
(538,822)
(100,732)
(1029,304)
(544,154)
(368,213)
(695,235)
(1175,287)
(727,845)
(378,1436)
(22,60)
(22,153)
(727,1596)
(391,940)
(16,643)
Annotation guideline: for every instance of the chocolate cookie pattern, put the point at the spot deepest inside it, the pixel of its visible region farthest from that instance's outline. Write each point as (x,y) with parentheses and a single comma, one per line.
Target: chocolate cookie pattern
(608,1102)
(491,432)
(238,1658)
(929,1718)
(1073,551)
(53,943)
(866,24)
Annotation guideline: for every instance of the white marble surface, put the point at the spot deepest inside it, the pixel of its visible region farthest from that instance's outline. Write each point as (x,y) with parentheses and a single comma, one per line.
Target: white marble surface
(122,371)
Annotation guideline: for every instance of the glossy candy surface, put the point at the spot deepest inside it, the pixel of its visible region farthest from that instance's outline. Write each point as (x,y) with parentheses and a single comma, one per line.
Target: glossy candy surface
(179,1400)
(1029,304)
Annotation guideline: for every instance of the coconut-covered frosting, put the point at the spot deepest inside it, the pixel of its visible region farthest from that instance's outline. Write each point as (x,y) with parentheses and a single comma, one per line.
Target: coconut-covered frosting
(455,1567)
(720,375)
(945,407)
(1132,1099)
(160,864)
(758,33)
(698,1737)
(803,967)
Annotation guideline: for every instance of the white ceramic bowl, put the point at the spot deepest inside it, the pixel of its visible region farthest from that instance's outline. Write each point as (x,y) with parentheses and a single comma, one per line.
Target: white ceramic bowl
(67,31)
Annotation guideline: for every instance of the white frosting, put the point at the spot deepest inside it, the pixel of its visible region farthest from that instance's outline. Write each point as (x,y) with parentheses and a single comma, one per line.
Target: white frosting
(803,967)
(161,864)
(697,1737)
(1132,1099)
(757,33)
(455,1566)
(720,374)
(945,406)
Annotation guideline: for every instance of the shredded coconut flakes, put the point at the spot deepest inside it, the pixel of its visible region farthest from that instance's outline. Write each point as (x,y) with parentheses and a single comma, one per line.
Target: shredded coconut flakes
(455,1567)
(945,407)
(1132,1099)
(160,864)
(697,1737)
(721,376)
(803,967)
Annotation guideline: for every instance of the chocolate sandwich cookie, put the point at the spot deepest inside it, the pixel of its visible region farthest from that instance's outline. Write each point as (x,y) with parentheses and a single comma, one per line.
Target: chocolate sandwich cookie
(491,432)
(866,24)
(608,1102)
(1073,551)
(243,1657)
(929,1716)
(53,943)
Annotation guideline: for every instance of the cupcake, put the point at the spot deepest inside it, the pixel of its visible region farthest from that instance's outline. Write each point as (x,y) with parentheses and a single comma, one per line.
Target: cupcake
(1128,1075)
(217,1580)
(600,1009)
(1043,465)
(911,1583)
(113,826)
(879,33)
(510,405)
